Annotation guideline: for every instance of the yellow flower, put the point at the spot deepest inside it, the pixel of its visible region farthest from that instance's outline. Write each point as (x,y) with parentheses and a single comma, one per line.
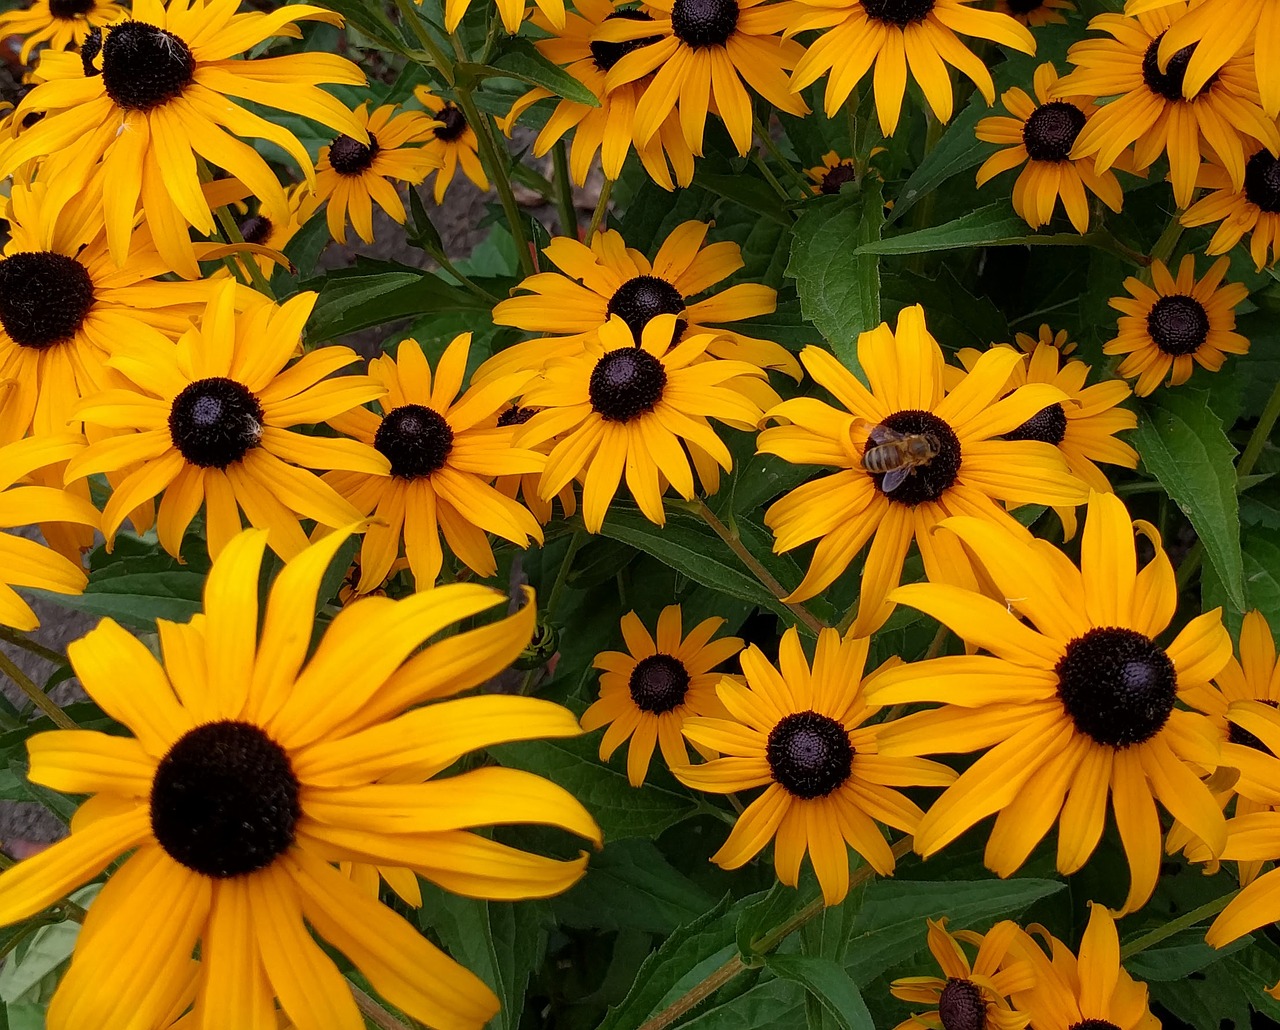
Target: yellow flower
(894,36)
(833,173)
(1166,329)
(800,733)
(1041,136)
(352,175)
(272,225)
(648,693)
(147,96)
(1151,112)
(1253,209)
(61,24)
(969,472)
(1036,12)
(444,452)
(1075,703)
(617,406)
(250,767)
(512,13)
(451,142)
(213,416)
(525,484)
(973,995)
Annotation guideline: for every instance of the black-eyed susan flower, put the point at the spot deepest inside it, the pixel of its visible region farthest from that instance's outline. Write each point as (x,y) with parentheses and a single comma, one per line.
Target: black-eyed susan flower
(970,470)
(27,563)
(524,485)
(147,96)
(607,129)
(1150,111)
(59,24)
(830,176)
(617,406)
(609,278)
(444,450)
(895,36)
(1168,328)
(352,176)
(213,417)
(1036,12)
(970,994)
(511,12)
(1252,210)
(1092,991)
(451,143)
(273,226)
(648,691)
(1040,137)
(705,49)
(1074,704)
(251,767)
(801,733)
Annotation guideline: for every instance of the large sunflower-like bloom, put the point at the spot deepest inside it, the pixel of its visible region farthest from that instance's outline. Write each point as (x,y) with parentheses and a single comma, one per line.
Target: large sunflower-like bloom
(1168,328)
(444,451)
(1040,135)
(452,143)
(608,278)
(352,175)
(703,52)
(213,416)
(61,24)
(894,36)
(150,95)
(619,406)
(648,692)
(973,995)
(250,768)
(607,129)
(1093,990)
(1252,210)
(1075,703)
(1151,112)
(970,472)
(800,733)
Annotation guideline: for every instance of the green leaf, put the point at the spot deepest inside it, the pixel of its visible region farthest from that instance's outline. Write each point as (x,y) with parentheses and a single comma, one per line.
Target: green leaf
(372,20)
(1179,956)
(989,225)
(827,982)
(839,288)
(517,58)
(1183,445)
(422,231)
(773,1004)
(746,190)
(957,151)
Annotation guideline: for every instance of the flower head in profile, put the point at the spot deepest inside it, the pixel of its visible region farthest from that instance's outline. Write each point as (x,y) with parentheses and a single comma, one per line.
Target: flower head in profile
(970,994)
(451,143)
(1040,137)
(214,419)
(617,406)
(647,692)
(444,450)
(146,96)
(894,37)
(352,176)
(249,768)
(801,732)
(1075,707)
(966,467)
(1251,210)
(58,24)
(1169,327)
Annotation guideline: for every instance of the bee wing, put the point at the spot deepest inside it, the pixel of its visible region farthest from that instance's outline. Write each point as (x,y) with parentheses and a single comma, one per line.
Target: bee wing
(860,430)
(893,480)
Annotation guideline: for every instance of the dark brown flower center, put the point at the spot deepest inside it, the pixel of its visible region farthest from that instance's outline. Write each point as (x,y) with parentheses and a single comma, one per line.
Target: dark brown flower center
(1051,131)
(1262,182)
(44,298)
(961,1007)
(837,175)
(144,67)
(215,422)
(646,296)
(1024,6)
(415,439)
(256,229)
(928,481)
(626,383)
(1048,425)
(809,754)
(659,683)
(702,23)
(1168,83)
(898,12)
(351,157)
(1239,735)
(517,415)
(1117,686)
(224,801)
(454,123)
(606,54)
(71,10)
(1094,1024)
(1178,325)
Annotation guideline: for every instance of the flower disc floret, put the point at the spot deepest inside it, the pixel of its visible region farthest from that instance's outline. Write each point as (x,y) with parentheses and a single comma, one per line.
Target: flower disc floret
(144,67)
(626,383)
(453,123)
(68,10)
(927,482)
(606,54)
(1048,425)
(836,177)
(809,754)
(351,157)
(1262,181)
(214,422)
(44,298)
(415,439)
(256,229)
(659,683)
(1178,325)
(644,297)
(898,12)
(1117,686)
(961,1005)
(1168,83)
(1051,131)
(704,23)
(1094,1024)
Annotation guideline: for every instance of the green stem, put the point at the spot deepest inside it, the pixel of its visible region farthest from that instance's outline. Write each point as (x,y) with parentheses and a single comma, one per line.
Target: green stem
(575,544)
(438,57)
(232,232)
(1189,564)
(766,138)
(564,191)
(1163,249)
(443,261)
(770,177)
(1160,933)
(1260,435)
(374,1012)
(23,641)
(602,205)
(37,696)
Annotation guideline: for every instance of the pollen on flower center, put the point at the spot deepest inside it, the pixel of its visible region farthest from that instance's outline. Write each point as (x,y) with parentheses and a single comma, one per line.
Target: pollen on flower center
(607,54)
(1051,131)
(70,10)
(837,176)
(1048,425)
(454,123)
(215,422)
(44,298)
(1168,83)
(1178,324)
(1262,182)
(1239,735)
(704,22)
(960,1005)
(144,67)
(930,481)
(898,12)
(626,383)
(643,298)
(809,754)
(1117,686)
(415,439)
(659,683)
(256,229)
(351,157)
(224,801)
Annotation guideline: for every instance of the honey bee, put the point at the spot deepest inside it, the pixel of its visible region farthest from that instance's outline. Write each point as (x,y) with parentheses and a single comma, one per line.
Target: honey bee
(897,455)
